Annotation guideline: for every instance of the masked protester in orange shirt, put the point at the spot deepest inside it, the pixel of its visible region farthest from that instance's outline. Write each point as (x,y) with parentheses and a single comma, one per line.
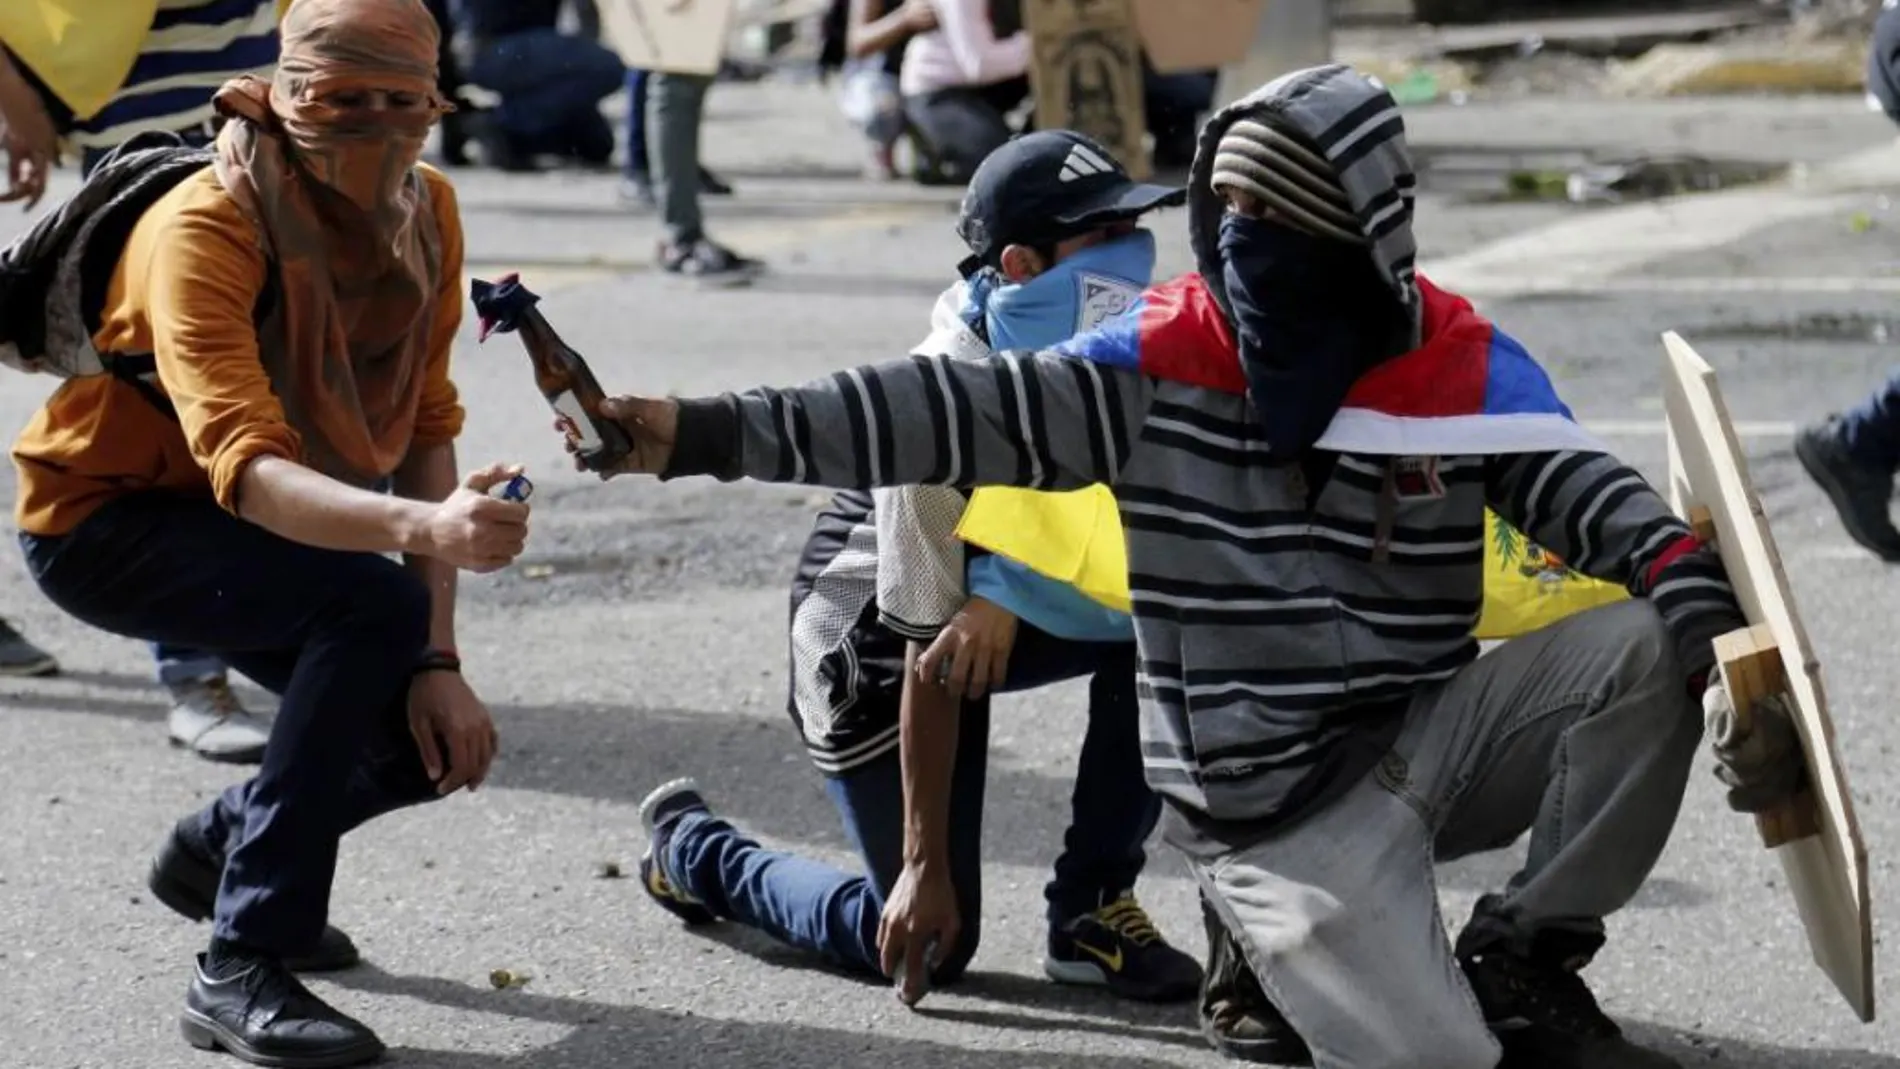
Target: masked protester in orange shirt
(298,297)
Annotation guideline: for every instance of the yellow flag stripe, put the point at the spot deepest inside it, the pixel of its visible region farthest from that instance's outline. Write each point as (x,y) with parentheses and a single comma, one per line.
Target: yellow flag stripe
(1075,537)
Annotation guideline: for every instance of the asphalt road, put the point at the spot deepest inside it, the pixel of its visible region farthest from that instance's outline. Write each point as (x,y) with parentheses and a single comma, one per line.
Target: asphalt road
(642,637)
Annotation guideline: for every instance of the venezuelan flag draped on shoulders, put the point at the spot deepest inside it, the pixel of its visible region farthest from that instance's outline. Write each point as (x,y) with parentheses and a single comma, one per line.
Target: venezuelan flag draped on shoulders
(1470,389)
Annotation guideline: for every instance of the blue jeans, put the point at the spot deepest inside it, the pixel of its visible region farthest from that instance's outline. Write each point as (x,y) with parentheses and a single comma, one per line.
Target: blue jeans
(182,665)
(336,634)
(813,906)
(1871,429)
(551,85)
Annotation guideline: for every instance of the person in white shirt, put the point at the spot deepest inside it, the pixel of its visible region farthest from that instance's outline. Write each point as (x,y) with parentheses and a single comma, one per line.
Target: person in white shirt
(960,81)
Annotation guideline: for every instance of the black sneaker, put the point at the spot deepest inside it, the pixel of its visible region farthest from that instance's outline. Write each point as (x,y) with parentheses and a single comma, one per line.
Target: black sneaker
(1546,1017)
(264,1016)
(708,263)
(18,657)
(498,148)
(658,811)
(1236,1017)
(1117,947)
(712,185)
(1862,495)
(185,877)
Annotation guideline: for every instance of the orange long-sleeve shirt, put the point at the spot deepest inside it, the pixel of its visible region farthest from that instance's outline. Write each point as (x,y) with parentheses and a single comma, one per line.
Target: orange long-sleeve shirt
(184,290)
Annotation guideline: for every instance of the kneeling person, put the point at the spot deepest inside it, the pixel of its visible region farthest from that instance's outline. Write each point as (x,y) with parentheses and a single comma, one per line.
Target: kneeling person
(878,579)
(1303,438)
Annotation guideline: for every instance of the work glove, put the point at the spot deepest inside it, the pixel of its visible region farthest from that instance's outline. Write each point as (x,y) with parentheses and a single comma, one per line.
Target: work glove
(1762,767)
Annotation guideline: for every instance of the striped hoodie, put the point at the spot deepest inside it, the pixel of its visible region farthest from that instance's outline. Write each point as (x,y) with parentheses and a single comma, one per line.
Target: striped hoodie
(1281,626)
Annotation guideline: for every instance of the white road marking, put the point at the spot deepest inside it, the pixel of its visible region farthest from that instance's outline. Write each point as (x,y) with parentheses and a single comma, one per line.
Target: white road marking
(1691,285)
(1656,428)
(1594,248)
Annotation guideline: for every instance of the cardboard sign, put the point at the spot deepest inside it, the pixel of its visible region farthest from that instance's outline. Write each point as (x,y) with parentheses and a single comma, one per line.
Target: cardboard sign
(1817,837)
(675,36)
(1197,35)
(1087,74)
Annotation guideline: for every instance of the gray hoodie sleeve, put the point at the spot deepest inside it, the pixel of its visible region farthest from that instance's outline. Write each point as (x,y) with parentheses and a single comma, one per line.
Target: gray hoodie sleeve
(1034,420)
(1605,520)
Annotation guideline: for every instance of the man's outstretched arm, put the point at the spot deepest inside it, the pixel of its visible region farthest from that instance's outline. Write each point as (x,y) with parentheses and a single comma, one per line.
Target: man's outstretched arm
(1035,420)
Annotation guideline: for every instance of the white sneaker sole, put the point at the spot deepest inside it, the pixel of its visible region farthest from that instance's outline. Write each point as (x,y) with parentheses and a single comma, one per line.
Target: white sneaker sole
(661,794)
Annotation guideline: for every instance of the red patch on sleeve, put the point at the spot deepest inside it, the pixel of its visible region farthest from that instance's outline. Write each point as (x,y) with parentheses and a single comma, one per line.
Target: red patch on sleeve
(1679,548)
(1185,337)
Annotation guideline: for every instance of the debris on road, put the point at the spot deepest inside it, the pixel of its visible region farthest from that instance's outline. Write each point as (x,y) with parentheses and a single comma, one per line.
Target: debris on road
(502,979)
(1819,47)
(1651,177)
(607,870)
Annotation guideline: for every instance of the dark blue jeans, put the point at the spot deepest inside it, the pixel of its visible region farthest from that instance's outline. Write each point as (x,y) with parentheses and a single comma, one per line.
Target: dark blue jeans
(335,634)
(551,85)
(833,913)
(1871,429)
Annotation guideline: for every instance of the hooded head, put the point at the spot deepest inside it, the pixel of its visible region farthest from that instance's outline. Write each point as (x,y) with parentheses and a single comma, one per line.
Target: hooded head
(352,99)
(322,158)
(1300,215)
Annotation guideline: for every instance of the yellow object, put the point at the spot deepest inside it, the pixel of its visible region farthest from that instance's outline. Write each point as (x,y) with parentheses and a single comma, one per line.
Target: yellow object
(1075,537)
(1526,587)
(83,61)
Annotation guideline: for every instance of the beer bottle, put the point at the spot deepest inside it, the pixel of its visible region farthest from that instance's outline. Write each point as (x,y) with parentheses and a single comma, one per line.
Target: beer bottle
(560,373)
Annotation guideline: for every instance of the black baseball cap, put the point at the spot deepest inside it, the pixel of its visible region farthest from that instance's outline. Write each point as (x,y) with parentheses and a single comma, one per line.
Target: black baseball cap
(1045,186)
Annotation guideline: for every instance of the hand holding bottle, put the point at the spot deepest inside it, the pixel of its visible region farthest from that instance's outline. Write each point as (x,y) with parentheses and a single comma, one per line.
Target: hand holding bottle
(649,423)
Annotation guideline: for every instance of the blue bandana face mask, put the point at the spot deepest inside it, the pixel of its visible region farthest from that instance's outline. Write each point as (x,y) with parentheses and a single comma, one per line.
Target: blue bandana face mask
(1074,296)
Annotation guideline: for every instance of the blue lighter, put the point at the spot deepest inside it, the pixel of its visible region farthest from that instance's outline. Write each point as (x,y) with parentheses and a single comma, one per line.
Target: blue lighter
(517,488)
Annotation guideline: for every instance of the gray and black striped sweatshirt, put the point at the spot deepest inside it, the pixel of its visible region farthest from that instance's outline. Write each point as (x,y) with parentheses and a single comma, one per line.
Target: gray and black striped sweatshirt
(1276,653)
(1281,626)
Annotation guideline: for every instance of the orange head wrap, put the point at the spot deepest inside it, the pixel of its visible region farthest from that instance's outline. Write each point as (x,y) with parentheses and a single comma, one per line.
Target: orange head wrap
(322,158)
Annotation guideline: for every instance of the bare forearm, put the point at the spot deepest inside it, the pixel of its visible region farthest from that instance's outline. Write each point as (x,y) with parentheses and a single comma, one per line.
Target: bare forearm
(927,745)
(308,507)
(879,35)
(429,475)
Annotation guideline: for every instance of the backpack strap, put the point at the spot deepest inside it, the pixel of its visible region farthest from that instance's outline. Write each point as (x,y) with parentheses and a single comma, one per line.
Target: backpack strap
(140,370)
(53,278)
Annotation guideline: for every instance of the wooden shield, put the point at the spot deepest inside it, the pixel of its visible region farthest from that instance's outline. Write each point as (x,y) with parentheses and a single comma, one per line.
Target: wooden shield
(676,36)
(1196,35)
(1086,73)
(1818,837)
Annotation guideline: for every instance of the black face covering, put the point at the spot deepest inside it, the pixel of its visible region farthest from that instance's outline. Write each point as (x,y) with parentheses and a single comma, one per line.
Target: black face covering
(1312,314)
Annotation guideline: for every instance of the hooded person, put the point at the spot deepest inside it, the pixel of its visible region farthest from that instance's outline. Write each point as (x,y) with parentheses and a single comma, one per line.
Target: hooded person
(1302,439)
(295,300)
(1052,223)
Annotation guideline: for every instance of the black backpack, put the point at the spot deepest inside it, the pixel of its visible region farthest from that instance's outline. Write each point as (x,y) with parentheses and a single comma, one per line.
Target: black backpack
(53,278)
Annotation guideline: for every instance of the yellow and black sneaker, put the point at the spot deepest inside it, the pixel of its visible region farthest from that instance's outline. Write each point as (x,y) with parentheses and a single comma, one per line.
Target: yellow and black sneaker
(1117,947)
(658,813)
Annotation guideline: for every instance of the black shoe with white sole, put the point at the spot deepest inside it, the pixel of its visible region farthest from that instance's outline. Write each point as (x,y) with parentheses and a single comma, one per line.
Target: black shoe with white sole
(658,813)
(185,877)
(262,1014)
(1117,947)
